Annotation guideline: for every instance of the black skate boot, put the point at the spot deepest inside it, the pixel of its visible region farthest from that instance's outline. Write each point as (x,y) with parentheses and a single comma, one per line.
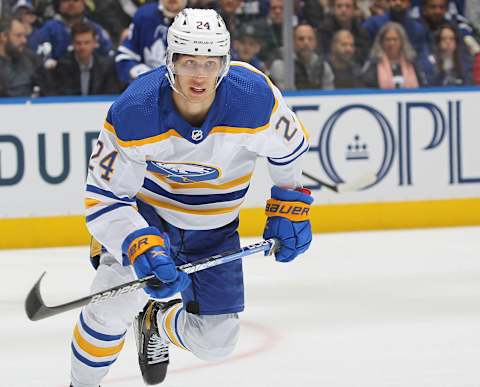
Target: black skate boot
(152,349)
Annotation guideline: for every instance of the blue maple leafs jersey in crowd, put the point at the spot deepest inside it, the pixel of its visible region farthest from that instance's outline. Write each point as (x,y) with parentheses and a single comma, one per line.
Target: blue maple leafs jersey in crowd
(146,41)
(58,34)
(195,178)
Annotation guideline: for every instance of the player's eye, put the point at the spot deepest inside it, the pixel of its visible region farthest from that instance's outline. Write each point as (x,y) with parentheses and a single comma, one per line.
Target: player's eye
(190,63)
(210,65)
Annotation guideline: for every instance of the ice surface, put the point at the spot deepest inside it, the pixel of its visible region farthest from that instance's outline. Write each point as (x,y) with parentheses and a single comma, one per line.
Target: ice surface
(374,309)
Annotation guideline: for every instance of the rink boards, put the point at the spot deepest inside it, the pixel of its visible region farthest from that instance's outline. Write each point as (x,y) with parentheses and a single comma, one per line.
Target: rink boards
(423,148)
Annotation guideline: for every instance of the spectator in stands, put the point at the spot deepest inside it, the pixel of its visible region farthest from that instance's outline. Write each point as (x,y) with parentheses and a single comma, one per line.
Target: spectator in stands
(392,64)
(309,11)
(145,46)
(347,73)
(111,15)
(455,7)
(342,17)
(24,11)
(452,67)
(434,16)
(398,12)
(53,39)
(271,30)
(237,12)
(367,8)
(311,70)
(21,73)
(83,71)
(203,4)
(246,46)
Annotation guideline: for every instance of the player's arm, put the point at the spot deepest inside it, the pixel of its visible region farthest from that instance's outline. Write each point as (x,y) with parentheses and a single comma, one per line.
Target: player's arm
(116,173)
(129,58)
(288,209)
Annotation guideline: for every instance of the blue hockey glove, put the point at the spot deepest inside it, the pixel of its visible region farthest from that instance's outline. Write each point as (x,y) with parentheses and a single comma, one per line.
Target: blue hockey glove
(148,251)
(288,220)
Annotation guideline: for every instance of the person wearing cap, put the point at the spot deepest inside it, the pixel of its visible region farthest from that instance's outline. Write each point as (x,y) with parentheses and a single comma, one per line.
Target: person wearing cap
(24,10)
(246,46)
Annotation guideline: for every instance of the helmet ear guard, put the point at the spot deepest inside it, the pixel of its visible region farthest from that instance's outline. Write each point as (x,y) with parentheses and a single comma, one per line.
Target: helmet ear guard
(198,32)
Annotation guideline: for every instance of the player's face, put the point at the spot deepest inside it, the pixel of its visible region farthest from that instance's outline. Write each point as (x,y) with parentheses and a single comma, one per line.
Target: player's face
(196,76)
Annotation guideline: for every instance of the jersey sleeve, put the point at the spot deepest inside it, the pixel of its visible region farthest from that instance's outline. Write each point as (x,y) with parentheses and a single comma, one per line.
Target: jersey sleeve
(129,53)
(116,173)
(283,143)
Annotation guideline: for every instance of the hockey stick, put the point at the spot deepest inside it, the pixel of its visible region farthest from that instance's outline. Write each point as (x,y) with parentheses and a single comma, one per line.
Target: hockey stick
(354,185)
(37,310)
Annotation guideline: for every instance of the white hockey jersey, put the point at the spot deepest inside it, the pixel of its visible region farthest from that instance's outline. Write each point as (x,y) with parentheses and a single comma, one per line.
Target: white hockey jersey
(196,178)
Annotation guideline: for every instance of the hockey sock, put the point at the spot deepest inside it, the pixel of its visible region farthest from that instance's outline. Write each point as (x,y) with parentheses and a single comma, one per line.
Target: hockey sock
(93,351)
(170,323)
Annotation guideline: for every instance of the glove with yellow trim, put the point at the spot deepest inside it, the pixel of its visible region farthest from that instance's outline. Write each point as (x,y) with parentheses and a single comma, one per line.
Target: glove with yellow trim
(288,220)
(148,251)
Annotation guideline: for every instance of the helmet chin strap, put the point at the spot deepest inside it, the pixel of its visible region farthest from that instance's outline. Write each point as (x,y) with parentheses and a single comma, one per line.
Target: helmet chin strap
(171,81)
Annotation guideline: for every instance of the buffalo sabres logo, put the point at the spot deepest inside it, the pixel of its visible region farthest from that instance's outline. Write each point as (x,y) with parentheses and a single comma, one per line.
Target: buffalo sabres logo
(183,172)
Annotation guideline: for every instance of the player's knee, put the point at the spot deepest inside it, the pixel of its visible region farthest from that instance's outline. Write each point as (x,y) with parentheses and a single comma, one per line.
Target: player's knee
(117,310)
(212,338)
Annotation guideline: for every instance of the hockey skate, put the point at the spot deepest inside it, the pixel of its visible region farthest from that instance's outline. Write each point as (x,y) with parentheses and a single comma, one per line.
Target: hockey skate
(152,349)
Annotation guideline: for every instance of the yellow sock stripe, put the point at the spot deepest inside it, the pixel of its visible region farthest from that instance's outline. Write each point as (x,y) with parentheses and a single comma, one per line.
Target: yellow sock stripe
(295,211)
(169,328)
(94,350)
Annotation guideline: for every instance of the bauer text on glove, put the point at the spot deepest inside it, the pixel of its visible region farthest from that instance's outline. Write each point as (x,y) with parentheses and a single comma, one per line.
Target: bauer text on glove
(288,219)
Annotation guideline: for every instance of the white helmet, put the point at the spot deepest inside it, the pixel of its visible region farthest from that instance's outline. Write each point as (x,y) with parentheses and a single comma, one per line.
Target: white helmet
(198,32)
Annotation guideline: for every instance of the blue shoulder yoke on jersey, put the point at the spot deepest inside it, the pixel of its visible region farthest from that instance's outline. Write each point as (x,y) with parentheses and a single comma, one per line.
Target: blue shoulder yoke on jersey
(244,100)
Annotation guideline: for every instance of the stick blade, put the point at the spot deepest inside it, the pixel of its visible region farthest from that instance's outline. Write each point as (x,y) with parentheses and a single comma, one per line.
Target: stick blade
(357,184)
(34,305)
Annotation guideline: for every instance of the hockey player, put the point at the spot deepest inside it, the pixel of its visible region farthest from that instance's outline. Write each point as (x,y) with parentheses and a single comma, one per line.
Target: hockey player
(171,168)
(145,46)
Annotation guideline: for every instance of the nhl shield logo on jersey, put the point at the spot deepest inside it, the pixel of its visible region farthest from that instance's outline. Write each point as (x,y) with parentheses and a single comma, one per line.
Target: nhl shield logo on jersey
(197,134)
(183,172)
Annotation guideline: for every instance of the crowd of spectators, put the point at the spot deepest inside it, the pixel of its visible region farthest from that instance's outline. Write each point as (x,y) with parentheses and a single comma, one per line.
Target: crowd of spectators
(88,47)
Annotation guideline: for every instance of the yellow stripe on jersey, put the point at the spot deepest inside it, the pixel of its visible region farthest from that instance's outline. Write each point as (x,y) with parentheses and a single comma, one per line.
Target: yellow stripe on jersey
(168,206)
(169,325)
(94,350)
(89,202)
(237,130)
(144,141)
(304,130)
(202,184)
